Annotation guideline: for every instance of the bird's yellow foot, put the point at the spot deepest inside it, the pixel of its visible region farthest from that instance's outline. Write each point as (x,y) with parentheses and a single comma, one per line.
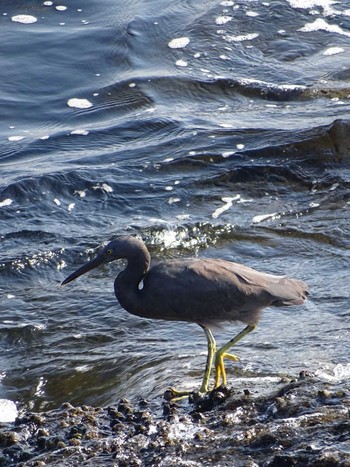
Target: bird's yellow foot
(174,395)
(231,357)
(220,372)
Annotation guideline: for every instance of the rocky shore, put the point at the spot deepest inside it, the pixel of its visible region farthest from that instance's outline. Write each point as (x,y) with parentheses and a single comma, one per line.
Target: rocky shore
(300,422)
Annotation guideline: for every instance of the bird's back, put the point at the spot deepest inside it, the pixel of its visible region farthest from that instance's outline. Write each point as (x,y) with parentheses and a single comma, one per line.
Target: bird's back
(213,290)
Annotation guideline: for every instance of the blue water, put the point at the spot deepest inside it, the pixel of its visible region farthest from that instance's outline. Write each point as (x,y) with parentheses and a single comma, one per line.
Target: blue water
(235,145)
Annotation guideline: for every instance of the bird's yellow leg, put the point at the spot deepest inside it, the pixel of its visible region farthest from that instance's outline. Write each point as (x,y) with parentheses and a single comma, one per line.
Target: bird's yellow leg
(211,351)
(220,372)
(173,394)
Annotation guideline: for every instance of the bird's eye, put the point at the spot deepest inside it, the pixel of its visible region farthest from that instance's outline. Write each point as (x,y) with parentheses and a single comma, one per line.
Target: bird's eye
(109,252)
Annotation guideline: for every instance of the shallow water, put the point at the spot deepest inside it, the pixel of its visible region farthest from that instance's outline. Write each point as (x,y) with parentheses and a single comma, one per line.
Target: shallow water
(235,146)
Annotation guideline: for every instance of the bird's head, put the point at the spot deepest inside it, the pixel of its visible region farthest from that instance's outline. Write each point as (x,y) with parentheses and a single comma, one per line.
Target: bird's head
(122,247)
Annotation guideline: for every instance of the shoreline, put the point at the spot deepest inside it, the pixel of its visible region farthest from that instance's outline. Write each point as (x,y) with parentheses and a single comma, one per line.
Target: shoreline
(300,422)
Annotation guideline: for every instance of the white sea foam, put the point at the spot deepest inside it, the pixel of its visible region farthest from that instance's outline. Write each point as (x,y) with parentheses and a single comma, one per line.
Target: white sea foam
(252,14)
(103,187)
(228,203)
(81,193)
(223,19)
(79,103)
(173,200)
(326,5)
(8,411)
(263,217)
(242,37)
(6,202)
(79,131)
(179,43)
(321,25)
(82,368)
(40,387)
(340,373)
(24,19)
(15,138)
(333,51)
(227,153)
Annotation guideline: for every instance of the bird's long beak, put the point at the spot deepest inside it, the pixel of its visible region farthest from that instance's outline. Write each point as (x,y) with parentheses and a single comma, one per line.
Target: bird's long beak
(94,263)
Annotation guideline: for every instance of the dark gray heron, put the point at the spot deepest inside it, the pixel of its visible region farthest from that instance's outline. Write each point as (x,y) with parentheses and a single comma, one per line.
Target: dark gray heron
(203,291)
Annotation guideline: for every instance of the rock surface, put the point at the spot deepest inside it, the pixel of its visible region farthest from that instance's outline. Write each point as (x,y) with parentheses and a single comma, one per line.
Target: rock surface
(303,422)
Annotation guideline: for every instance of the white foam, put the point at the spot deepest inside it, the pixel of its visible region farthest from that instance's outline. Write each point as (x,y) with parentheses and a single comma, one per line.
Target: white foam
(15,138)
(307,4)
(79,132)
(103,187)
(61,8)
(179,43)
(321,25)
(6,202)
(223,19)
(79,103)
(24,19)
(40,387)
(340,373)
(183,217)
(227,153)
(333,51)
(181,63)
(81,193)
(228,203)
(173,200)
(57,201)
(263,217)
(71,207)
(61,265)
(82,368)
(8,411)
(242,38)
(252,14)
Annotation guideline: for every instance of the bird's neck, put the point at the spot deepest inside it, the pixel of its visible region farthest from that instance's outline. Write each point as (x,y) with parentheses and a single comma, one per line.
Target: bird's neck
(126,284)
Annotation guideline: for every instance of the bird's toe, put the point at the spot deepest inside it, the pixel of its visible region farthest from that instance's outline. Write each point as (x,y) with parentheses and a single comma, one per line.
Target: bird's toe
(172,394)
(231,357)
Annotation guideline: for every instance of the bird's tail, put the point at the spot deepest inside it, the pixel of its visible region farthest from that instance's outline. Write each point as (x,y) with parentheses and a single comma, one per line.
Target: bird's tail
(288,292)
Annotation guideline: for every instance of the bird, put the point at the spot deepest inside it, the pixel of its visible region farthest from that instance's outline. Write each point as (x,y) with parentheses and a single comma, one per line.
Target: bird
(205,291)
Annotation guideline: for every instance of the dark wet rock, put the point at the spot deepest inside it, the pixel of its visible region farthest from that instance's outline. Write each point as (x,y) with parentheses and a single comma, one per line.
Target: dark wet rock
(300,422)
(206,402)
(8,438)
